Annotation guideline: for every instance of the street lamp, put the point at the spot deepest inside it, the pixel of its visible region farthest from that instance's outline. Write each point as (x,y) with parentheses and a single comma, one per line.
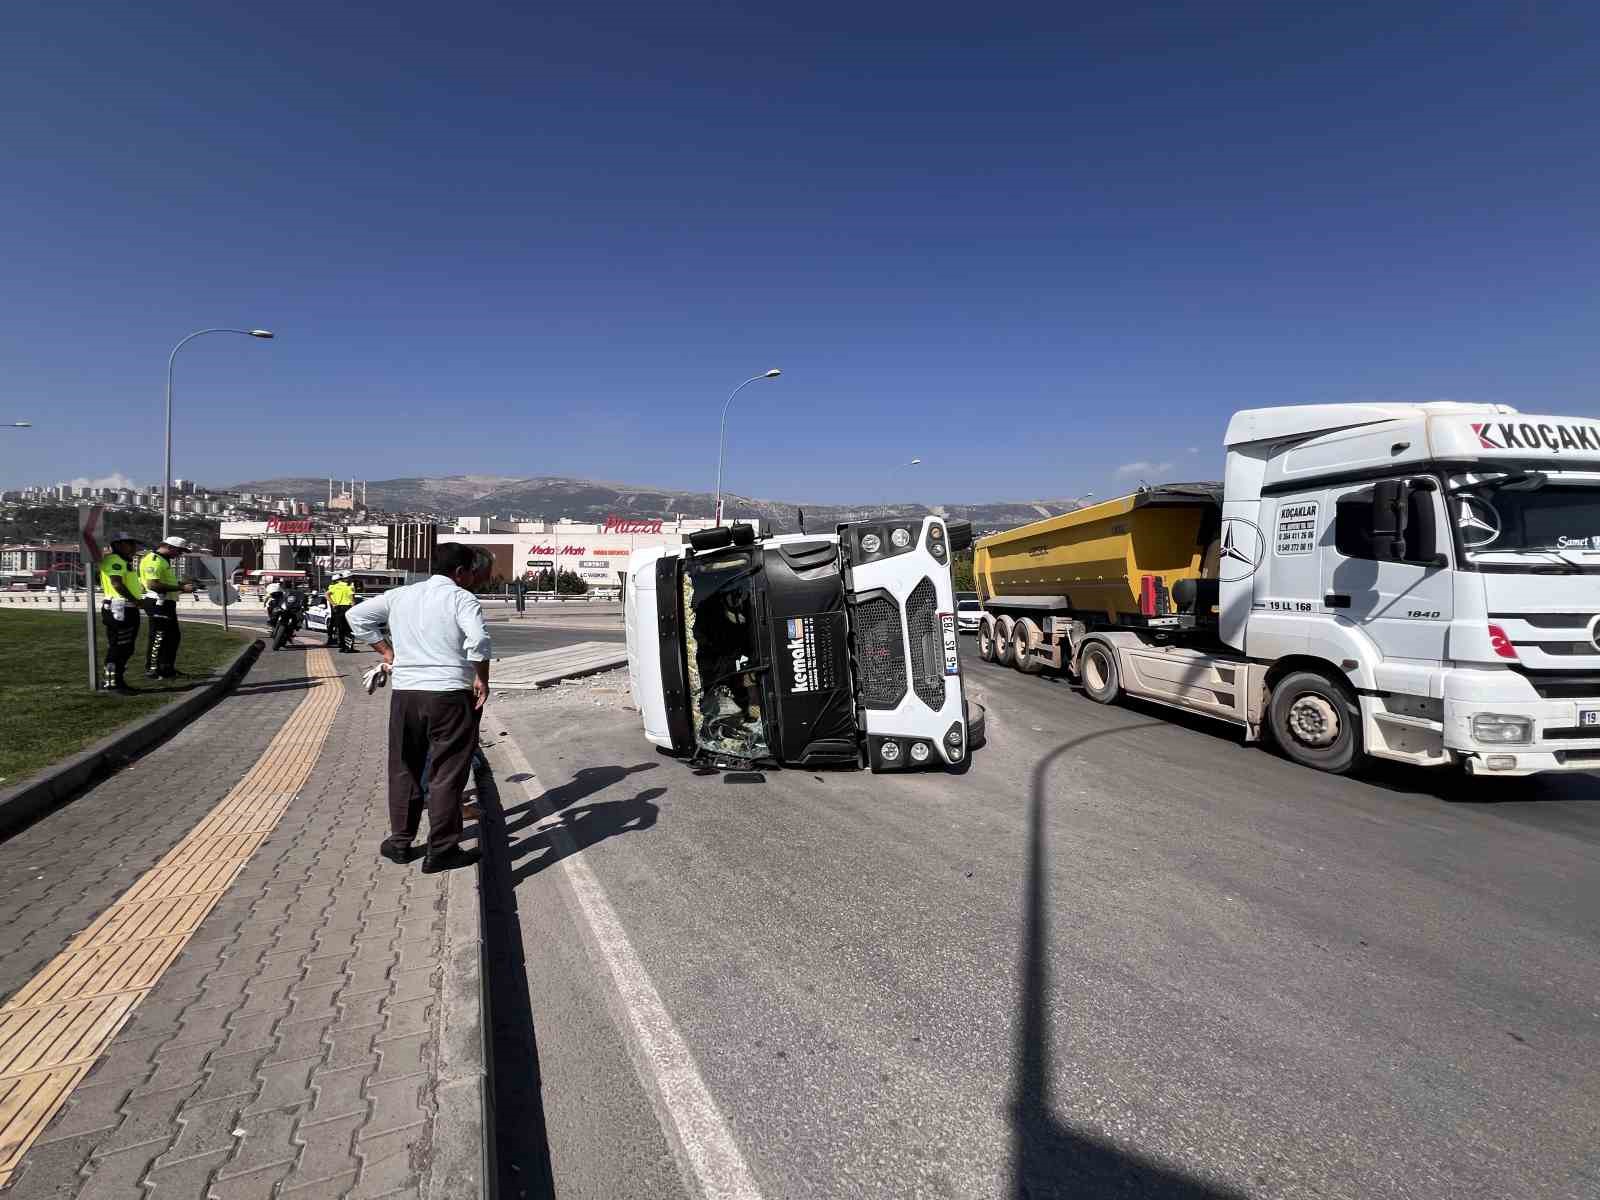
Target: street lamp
(722,437)
(166,476)
(19,425)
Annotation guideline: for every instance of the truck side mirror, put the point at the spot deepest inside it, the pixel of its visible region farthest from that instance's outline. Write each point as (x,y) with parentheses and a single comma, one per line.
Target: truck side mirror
(960,535)
(1391,505)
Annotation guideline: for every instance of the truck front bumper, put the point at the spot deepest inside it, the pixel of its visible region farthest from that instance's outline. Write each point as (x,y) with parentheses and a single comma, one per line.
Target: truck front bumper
(1559,742)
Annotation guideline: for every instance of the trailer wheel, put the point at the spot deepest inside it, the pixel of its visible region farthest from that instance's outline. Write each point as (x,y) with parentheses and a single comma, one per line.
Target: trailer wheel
(1097,667)
(986,640)
(1025,636)
(1316,722)
(1002,641)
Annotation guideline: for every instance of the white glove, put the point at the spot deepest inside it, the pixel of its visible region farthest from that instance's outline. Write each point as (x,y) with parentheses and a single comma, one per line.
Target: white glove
(119,608)
(376,678)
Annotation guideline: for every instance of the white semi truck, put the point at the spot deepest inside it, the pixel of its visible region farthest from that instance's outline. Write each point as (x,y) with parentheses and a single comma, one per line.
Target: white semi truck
(803,650)
(1415,582)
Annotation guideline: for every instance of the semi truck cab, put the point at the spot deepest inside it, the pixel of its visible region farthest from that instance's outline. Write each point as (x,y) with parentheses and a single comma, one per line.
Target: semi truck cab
(803,650)
(1415,582)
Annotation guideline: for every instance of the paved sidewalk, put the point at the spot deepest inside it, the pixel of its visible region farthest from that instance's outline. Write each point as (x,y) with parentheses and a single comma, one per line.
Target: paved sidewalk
(295,1044)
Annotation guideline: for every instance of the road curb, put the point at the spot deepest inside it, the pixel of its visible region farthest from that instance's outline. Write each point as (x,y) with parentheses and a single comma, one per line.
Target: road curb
(461,1165)
(60,784)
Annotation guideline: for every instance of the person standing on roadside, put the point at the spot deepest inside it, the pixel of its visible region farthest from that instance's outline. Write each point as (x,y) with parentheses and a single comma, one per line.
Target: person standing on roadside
(121,596)
(162,588)
(433,638)
(341,597)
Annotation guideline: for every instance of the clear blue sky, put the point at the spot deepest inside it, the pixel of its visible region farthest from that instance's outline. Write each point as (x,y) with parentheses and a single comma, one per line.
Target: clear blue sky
(1027,245)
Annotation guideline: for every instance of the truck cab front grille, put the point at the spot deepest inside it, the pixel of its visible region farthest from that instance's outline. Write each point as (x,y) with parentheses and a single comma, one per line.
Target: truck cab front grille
(880,652)
(927,645)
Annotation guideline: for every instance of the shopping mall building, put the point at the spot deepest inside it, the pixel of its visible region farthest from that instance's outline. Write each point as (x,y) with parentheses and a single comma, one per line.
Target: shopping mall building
(598,553)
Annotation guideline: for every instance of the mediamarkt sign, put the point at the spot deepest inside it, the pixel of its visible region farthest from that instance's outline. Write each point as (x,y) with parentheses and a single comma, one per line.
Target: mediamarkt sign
(564,551)
(616,524)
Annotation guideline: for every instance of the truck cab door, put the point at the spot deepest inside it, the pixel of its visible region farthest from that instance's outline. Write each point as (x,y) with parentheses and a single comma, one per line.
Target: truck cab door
(1404,607)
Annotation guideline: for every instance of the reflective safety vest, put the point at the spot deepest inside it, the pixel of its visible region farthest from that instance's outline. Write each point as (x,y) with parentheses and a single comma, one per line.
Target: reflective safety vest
(341,595)
(155,568)
(114,566)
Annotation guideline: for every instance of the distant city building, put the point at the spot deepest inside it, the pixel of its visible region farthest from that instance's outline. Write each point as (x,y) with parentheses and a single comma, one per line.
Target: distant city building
(35,557)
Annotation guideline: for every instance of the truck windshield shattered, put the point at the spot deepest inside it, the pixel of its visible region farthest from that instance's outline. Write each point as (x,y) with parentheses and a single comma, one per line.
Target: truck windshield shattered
(723,656)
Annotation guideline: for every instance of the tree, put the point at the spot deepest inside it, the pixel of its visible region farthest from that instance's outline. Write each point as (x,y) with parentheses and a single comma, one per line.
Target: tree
(961,573)
(566,583)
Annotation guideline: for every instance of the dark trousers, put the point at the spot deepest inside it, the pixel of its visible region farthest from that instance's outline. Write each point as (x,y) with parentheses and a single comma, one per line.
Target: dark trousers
(437,730)
(161,656)
(339,627)
(122,639)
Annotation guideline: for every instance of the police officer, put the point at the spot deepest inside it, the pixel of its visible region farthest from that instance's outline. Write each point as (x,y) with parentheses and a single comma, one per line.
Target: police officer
(162,589)
(341,596)
(121,595)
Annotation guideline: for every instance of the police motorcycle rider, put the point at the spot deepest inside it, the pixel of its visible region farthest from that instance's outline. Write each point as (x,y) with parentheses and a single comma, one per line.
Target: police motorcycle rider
(285,606)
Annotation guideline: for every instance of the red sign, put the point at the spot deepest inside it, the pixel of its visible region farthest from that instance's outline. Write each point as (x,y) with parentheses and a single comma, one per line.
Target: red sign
(280,525)
(616,524)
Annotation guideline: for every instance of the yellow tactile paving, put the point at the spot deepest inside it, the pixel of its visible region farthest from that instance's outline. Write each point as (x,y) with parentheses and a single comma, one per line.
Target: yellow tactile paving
(63,1018)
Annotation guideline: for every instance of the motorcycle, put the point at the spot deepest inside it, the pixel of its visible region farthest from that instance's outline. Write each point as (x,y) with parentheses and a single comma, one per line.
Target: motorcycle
(286,616)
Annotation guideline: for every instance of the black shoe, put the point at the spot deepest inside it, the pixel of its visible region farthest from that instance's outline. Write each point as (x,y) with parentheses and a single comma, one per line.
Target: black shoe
(398,851)
(449,860)
(118,689)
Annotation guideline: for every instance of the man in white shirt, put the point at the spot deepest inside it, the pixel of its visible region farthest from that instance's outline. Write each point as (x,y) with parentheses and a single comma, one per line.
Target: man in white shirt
(432,636)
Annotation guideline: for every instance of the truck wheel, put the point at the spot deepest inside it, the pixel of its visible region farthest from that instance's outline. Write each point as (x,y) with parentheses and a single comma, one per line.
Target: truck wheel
(1097,667)
(1025,636)
(1316,722)
(1002,641)
(986,641)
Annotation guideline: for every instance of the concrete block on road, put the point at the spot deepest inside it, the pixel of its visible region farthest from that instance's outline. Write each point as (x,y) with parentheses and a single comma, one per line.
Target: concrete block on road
(524,672)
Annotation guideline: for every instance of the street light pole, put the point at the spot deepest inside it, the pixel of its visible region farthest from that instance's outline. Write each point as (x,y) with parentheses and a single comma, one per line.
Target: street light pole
(722,437)
(19,425)
(166,471)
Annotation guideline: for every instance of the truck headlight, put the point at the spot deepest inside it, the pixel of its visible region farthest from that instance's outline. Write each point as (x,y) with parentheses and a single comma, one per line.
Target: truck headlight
(900,537)
(871,543)
(920,752)
(1501,729)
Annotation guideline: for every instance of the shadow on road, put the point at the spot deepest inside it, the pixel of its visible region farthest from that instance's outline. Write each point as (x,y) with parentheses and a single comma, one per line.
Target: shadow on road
(1049,1158)
(298,684)
(519,1148)
(584,783)
(580,828)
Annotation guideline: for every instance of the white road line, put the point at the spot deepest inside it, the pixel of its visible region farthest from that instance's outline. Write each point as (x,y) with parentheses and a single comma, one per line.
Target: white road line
(705,1148)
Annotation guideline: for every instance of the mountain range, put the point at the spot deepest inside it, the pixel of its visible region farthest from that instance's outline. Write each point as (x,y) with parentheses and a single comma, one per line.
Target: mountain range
(549,497)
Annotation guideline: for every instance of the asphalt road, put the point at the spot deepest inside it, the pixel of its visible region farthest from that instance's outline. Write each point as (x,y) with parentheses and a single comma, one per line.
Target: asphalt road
(508,635)
(1122,956)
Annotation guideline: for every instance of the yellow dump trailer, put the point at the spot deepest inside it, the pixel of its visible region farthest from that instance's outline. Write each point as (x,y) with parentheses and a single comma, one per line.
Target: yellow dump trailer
(1115,562)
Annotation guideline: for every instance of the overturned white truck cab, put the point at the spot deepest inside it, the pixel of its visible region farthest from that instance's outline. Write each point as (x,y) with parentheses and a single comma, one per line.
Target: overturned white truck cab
(802,650)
